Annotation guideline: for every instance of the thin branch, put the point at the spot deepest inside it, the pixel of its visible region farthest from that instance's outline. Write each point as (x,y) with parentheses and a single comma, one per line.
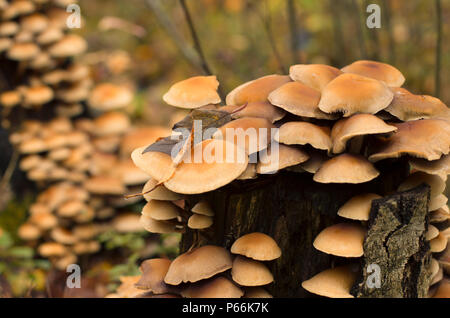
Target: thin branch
(388,28)
(438,48)
(4,181)
(293,28)
(360,30)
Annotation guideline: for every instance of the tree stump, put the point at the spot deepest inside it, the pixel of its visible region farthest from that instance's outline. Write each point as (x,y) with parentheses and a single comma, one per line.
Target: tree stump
(293,209)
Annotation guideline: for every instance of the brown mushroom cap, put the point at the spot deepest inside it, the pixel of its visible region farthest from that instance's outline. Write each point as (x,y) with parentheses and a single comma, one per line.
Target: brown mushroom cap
(155,226)
(161,210)
(299,99)
(358,207)
(38,95)
(342,239)
(257,90)
(432,232)
(127,288)
(218,287)
(440,215)
(23,51)
(128,222)
(193,92)
(407,106)
(228,162)
(28,232)
(438,244)
(302,133)
(63,236)
(351,93)
(437,202)
(443,290)
(256,109)
(199,221)
(379,71)
(108,96)
(334,283)
(279,158)
(34,23)
(436,184)
(44,221)
(256,292)
(49,249)
(9,28)
(357,125)
(50,35)
(10,98)
(440,167)
(428,139)
(140,137)
(157,165)
(160,192)
(69,45)
(197,264)
(258,246)
(316,76)
(315,161)
(203,207)
(111,123)
(153,273)
(104,185)
(346,168)
(248,272)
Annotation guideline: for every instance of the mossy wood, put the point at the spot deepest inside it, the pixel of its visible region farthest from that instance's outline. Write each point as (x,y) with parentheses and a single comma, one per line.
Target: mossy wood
(293,209)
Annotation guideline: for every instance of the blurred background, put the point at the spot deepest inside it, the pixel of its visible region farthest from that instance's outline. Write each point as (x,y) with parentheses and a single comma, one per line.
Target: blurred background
(147,45)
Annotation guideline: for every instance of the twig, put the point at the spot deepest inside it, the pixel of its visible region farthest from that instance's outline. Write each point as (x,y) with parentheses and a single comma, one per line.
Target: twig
(360,22)
(438,49)
(9,170)
(293,28)
(388,28)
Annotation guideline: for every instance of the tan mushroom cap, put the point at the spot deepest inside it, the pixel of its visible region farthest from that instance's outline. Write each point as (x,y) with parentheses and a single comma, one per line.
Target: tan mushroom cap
(377,70)
(315,161)
(357,125)
(69,45)
(432,232)
(160,192)
(342,239)
(161,210)
(157,165)
(49,249)
(440,215)
(10,98)
(407,106)
(140,137)
(299,99)
(438,244)
(249,173)
(104,185)
(351,93)
(302,133)
(50,35)
(38,95)
(256,109)
(128,222)
(63,262)
(358,207)
(155,226)
(436,184)
(440,167)
(248,272)
(437,202)
(127,288)
(44,221)
(218,287)
(316,76)
(250,133)
(258,246)
(23,51)
(88,247)
(199,221)
(8,28)
(71,208)
(193,92)
(28,232)
(333,283)
(130,174)
(111,123)
(221,163)
(5,44)
(35,23)
(428,139)
(108,96)
(443,290)
(256,292)
(197,264)
(63,236)
(29,162)
(280,157)
(153,273)
(203,207)
(257,90)
(346,168)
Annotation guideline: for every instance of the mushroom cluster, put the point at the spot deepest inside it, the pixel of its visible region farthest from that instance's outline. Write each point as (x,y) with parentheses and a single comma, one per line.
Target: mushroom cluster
(337,124)
(37,51)
(208,271)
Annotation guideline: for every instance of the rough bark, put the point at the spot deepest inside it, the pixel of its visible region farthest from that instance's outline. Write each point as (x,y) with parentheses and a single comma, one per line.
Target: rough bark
(293,209)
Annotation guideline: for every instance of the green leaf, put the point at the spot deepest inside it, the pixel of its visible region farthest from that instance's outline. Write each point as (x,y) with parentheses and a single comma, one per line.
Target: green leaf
(21,252)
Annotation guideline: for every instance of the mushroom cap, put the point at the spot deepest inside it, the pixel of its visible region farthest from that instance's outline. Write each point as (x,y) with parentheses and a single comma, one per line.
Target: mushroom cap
(218,287)
(153,273)
(71,208)
(428,139)
(333,283)
(250,133)
(161,210)
(443,290)
(9,28)
(358,207)
(38,95)
(197,264)
(157,165)
(23,51)
(351,93)
(407,106)
(258,246)
(256,109)
(35,23)
(315,161)
(44,221)
(438,244)
(346,168)
(383,72)
(440,215)
(437,202)
(302,133)
(203,207)
(108,96)
(69,45)
(49,35)
(155,226)
(10,98)
(49,249)
(299,99)
(28,231)
(256,292)
(29,162)
(128,222)
(63,236)
(432,232)
(88,247)
(199,221)
(279,158)
(342,239)
(316,76)
(127,288)
(249,173)
(221,163)
(193,92)
(248,272)
(357,125)
(436,184)
(111,123)
(140,137)
(257,90)
(104,185)
(160,192)
(440,167)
